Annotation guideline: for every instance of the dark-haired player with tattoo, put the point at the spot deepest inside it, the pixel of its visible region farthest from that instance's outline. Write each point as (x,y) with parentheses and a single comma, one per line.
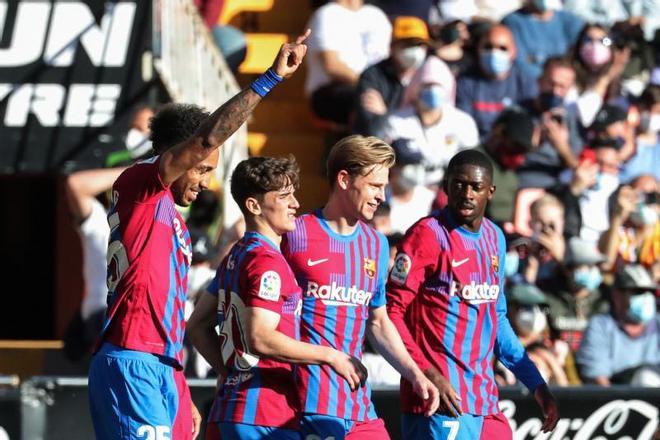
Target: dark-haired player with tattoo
(136,383)
(257,302)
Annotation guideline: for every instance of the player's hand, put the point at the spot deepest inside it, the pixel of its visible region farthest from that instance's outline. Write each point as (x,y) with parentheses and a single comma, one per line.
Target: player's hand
(549,407)
(425,389)
(291,56)
(350,368)
(448,398)
(197,420)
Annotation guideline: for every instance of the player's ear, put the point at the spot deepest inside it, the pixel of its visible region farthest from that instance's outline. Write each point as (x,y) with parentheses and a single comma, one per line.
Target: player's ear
(343,179)
(491,192)
(253,206)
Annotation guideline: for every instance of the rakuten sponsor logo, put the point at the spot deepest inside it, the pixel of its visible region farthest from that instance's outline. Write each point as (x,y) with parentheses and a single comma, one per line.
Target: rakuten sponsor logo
(475,293)
(338,295)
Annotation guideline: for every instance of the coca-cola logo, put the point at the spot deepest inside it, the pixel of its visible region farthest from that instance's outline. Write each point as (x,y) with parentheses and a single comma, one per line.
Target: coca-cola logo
(615,420)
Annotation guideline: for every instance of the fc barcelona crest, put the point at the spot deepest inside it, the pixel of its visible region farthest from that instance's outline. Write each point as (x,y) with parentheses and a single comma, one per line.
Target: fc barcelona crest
(369,267)
(495,262)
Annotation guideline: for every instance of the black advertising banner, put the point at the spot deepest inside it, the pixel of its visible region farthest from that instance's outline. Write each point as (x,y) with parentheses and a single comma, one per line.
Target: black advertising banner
(70,74)
(57,408)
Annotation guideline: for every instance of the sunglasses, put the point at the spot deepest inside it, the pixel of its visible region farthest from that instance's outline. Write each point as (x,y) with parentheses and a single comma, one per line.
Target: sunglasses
(605,41)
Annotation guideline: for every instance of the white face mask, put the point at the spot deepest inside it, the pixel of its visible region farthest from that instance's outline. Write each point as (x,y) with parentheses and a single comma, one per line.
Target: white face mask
(654,123)
(137,142)
(412,176)
(531,320)
(411,57)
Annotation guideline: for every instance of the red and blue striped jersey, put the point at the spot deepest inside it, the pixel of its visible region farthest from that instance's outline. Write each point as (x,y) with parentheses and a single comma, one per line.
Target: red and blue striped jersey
(445,296)
(149,255)
(257,391)
(341,278)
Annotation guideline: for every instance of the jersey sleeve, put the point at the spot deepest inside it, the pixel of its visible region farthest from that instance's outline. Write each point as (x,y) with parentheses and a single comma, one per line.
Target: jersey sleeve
(262,280)
(382,264)
(508,348)
(140,183)
(416,258)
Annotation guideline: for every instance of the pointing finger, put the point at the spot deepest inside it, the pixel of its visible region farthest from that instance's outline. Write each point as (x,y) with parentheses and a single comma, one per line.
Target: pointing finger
(303,37)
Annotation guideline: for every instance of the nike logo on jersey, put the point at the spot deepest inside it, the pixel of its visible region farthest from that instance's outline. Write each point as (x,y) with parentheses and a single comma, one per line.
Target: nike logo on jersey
(311,262)
(455,263)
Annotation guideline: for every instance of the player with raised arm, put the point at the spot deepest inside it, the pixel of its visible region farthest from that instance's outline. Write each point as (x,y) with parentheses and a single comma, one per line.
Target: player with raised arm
(136,384)
(445,295)
(257,301)
(341,264)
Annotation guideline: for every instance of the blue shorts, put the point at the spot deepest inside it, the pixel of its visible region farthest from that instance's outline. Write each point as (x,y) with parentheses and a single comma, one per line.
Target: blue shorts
(320,427)
(464,427)
(230,430)
(135,395)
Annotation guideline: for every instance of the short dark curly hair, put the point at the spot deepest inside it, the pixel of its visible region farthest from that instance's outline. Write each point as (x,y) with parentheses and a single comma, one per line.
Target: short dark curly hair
(174,123)
(256,176)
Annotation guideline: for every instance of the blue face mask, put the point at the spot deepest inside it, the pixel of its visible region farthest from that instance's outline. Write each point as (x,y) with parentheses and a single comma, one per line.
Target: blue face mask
(511,264)
(432,97)
(495,62)
(588,278)
(549,101)
(642,308)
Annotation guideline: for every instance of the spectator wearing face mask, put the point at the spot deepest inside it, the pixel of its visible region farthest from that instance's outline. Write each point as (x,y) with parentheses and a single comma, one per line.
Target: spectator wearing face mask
(527,312)
(137,138)
(622,347)
(573,293)
(540,32)
(646,157)
(409,199)
(381,86)
(430,124)
(633,236)
(347,37)
(560,142)
(495,83)
(513,136)
(599,64)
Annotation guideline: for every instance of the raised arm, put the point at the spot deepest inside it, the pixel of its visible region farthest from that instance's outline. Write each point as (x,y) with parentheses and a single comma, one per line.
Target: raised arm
(83,186)
(225,120)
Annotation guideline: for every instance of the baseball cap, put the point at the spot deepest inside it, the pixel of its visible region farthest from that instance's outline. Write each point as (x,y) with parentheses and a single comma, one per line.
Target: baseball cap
(635,277)
(409,28)
(581,251)
(527,294)
(405,154)
(518,126)
(606,116)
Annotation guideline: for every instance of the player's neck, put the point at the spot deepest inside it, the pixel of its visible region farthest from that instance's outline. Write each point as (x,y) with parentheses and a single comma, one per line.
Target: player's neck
(337,219)
(263,229)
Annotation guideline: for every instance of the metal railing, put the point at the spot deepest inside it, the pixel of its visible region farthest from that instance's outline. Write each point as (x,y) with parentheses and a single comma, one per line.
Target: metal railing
(193,71)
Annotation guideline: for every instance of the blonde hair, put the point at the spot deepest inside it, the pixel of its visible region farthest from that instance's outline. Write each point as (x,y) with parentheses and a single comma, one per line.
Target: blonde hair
(542,202)
(358,155)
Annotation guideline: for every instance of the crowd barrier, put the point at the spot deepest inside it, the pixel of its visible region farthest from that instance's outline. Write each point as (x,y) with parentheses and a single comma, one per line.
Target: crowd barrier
(54,408)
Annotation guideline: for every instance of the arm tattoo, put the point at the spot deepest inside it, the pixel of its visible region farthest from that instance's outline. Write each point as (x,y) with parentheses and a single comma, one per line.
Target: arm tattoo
(228,118)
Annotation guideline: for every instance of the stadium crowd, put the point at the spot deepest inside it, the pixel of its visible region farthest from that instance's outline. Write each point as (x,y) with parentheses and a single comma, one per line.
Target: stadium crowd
(565,101)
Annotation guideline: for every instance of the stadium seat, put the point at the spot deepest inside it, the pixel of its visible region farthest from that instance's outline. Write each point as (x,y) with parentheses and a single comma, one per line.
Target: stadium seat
(261,49)
(235,7)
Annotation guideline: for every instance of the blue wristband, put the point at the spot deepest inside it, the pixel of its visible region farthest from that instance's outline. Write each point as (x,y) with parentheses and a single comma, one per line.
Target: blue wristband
(265,82)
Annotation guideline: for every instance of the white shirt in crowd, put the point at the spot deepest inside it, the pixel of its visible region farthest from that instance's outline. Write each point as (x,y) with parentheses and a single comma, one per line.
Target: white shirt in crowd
(94,234)
(361,38)
(439,142)
(404,214)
